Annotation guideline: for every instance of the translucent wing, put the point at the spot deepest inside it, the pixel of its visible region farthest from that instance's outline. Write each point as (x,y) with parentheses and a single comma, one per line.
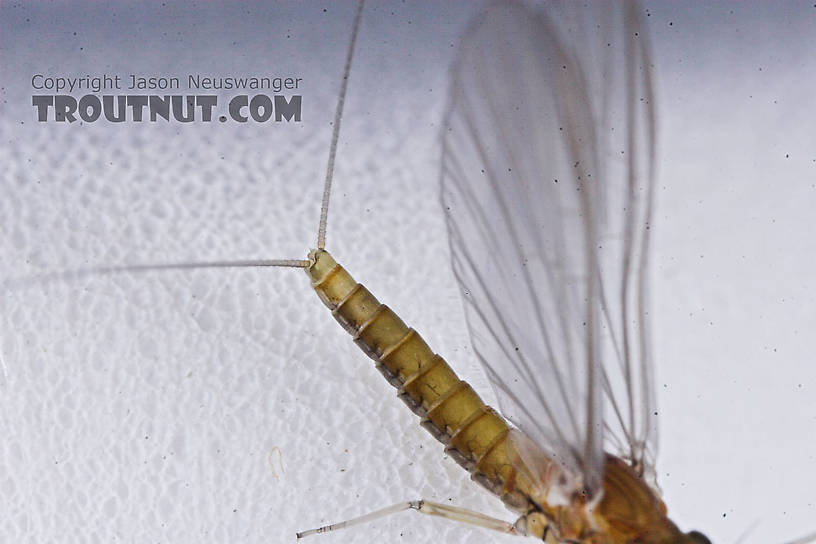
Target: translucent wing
(547,175)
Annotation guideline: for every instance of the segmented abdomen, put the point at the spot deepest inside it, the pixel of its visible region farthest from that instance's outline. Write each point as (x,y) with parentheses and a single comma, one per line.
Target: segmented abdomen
(472,432)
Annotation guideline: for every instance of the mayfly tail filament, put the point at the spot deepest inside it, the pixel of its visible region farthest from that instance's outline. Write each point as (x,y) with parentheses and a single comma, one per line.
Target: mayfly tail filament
(338,116)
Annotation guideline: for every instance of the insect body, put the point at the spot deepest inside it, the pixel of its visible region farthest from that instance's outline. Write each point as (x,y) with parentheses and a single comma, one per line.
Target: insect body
(479,439)
(474,434)
(547,186)
(532,181)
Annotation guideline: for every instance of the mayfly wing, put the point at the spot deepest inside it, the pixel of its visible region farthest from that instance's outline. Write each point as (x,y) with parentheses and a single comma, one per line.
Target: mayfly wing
(547,172)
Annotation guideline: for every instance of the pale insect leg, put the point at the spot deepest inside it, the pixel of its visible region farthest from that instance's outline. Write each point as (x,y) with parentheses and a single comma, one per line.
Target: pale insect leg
(422,506)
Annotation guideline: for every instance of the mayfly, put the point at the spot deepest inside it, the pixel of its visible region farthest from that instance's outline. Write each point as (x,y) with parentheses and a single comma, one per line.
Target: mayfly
(547,186)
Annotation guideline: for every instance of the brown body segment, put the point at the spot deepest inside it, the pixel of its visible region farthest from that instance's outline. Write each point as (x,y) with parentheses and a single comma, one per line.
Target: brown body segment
(474,434)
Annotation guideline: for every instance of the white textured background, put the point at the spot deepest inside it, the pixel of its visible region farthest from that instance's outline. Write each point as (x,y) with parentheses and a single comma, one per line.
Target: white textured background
(227,406)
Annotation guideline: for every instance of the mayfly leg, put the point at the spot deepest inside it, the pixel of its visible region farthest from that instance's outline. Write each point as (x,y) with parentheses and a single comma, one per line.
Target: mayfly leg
(429,508)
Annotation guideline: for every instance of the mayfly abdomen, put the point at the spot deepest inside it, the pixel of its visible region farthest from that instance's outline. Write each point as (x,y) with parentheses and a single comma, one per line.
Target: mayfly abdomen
(472,432)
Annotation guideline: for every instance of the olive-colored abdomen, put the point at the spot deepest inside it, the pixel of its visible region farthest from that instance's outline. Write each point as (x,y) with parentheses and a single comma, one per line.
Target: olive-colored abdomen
(473,433)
